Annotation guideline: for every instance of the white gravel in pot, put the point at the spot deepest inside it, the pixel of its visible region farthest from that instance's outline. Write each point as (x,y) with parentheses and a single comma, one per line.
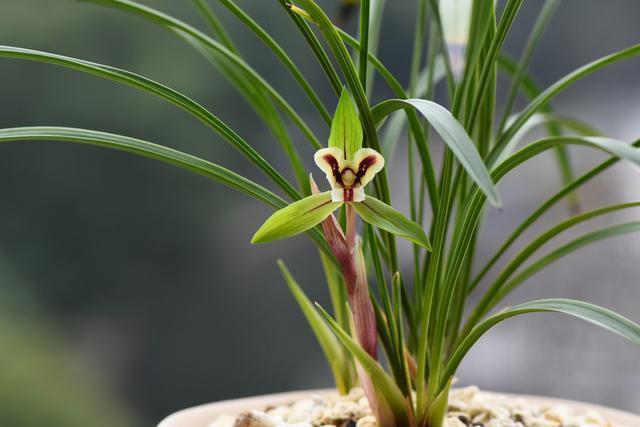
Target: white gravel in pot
(468,407)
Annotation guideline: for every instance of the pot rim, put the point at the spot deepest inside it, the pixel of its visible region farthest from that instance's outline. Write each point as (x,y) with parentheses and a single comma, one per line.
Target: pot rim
(201,415)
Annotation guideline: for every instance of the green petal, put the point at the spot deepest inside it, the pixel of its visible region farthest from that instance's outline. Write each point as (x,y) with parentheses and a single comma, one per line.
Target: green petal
(346,129)
(296,218)
(385,217)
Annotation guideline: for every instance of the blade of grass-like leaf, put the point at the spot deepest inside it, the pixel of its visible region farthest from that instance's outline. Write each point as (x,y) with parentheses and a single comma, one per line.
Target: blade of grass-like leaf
(262,104)
(363,58)
(337,290)
(256,97)
(531,91)
(389,318)
(484,304)
(544,17)
(482,20)
(330,346)
(489,61)
(280,53)
(174,24)
(548,204)
(395,124)
(609,145)
(375,25)
(574,245)
(475,203)
(316,47)
(471,212)
(214,24)
(416,61)
(147,149)
(542,99)
(418,41)
(591,313)
(385,386)
(453,135)
(444,53)
(164,92)
(159,152)
(546,119)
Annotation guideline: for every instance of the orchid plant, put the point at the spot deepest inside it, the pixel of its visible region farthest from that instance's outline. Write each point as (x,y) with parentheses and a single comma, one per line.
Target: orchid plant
(418,318)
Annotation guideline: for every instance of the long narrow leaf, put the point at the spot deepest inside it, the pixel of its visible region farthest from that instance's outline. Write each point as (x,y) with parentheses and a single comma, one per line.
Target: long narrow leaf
(330,346)
(591,313)
(384,384)
(544,207)
(557,88)
(147,149)
(164,92)
(174,24)
(453,135)
(490,297)
(280,53)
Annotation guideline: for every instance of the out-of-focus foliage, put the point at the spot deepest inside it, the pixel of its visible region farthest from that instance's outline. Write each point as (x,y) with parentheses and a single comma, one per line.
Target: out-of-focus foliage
(42,383)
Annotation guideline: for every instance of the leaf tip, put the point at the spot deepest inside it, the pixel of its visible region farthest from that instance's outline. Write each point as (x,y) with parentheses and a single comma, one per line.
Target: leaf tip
(259,237)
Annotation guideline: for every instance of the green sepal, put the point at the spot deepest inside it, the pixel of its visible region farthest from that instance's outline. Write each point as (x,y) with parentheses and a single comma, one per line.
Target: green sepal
(336,357)
(383,216)
(346,129)
(296,218)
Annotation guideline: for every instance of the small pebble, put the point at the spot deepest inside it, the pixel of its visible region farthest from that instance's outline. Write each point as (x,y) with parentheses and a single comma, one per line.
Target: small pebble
(468,407)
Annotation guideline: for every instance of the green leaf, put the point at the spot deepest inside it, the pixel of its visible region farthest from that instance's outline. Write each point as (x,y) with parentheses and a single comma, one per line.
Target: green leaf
(147,149)
(599,316)
(173,24)
(383,216)
(544,207)
(385,386)
(296,218)
(280,53)
(548,119)
(178,99)
(259,100)
(314,44)
(566,249)
(453,135)
(332,349)
(541,100)
(501,287)
(346,129)
(544,17)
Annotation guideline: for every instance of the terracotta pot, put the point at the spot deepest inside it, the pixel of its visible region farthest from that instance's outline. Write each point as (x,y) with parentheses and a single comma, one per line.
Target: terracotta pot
(200,416)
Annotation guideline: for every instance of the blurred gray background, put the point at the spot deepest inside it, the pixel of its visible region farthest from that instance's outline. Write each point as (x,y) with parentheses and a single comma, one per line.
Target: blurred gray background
(129,289)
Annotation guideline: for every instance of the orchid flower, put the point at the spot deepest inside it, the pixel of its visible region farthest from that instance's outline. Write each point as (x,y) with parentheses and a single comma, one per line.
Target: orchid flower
(349,168)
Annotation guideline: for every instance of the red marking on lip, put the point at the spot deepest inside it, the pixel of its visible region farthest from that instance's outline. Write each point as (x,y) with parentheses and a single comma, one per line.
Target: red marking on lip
(335,168)
(364,165)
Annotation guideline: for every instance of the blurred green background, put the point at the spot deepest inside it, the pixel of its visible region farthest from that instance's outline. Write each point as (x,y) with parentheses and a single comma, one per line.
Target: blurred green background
(129,289)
